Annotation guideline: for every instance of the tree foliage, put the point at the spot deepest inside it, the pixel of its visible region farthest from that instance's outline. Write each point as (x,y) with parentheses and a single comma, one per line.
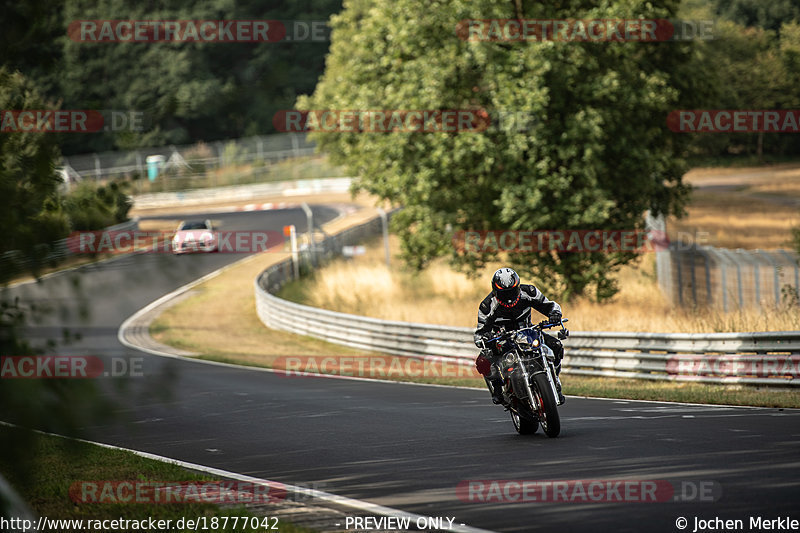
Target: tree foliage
(34,209)
(597,155)
(769,15)
(187,91)
(192,92)
(28,180)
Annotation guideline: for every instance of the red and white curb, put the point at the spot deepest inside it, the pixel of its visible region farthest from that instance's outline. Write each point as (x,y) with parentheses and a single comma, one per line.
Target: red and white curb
(344,209)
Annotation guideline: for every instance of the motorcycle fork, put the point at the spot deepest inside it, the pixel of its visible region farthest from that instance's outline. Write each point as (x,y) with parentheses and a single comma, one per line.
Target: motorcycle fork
(527,380)
(550,372)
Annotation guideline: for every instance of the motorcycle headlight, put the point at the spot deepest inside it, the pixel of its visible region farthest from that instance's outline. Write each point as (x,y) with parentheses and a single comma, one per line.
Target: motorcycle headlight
(526,340)
(523,340)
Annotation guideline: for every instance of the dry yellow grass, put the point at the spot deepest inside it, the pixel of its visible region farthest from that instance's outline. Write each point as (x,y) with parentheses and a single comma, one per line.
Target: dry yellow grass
(438,295)
(731,219)
(745,208)
(219,319)
(741,208)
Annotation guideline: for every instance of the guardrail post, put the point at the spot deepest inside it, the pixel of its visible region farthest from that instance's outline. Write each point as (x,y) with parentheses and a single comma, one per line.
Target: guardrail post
(385,226)
(310,221)
(694,277)
(97,168)
(295,256)
(678,260)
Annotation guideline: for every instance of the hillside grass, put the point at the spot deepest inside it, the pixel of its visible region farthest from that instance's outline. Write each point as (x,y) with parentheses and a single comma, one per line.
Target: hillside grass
(55,464)
(438,295)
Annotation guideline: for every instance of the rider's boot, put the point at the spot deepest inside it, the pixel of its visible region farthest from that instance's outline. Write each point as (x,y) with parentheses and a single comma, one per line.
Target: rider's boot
(495,384)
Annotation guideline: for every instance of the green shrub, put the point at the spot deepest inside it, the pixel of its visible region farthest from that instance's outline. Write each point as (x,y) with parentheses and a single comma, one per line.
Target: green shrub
(92,207)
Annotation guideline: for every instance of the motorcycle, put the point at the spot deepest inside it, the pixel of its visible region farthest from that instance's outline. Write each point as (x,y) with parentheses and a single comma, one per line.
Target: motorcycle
(527,368)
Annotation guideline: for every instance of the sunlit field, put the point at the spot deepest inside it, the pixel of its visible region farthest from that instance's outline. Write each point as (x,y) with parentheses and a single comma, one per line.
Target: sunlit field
(742,207)
(439,295)
(743,213)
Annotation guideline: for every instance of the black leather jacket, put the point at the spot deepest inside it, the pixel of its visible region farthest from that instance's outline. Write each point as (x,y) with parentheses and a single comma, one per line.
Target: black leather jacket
(490,310)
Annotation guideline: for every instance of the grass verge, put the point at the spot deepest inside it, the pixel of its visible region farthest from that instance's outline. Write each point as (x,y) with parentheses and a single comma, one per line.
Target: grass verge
(219,322)
(439,295)
(54,464)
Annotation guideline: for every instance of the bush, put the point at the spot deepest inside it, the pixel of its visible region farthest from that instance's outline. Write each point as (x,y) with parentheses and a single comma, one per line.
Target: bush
(92,207)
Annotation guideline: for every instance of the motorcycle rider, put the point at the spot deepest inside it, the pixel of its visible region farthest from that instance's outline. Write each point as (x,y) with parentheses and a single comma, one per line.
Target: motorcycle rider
(508,300)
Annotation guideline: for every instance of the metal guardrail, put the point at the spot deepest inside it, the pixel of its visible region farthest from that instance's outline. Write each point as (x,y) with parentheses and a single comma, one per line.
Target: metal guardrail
(242,192)
(770,358)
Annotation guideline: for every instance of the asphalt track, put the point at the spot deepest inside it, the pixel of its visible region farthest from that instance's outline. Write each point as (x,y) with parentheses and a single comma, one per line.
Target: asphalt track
(409,447)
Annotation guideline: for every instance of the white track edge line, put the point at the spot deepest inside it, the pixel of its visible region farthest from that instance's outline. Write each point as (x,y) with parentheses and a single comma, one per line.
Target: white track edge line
(177,292)
(352,503)
(180,290)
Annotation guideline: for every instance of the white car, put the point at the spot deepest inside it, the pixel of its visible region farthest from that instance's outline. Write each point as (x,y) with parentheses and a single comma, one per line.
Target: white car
(194,236)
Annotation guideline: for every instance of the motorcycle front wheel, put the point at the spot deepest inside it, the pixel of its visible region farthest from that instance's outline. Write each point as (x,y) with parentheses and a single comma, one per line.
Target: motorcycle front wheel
(546,406)
(523,425)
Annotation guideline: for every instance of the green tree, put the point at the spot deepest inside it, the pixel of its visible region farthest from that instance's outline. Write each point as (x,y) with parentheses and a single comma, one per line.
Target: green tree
(189,91)
(597,156)
(768,15)
(91,207)
(750,68)
(29,203)
(31,217)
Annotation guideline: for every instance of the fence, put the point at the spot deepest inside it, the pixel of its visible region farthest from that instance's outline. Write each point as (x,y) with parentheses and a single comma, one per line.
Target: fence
(695,275)
(730,279)
(194,161)
(746,358)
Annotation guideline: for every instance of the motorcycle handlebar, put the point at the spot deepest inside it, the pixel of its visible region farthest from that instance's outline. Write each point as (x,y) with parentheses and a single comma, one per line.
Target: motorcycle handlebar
(540,326)
(547,324)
